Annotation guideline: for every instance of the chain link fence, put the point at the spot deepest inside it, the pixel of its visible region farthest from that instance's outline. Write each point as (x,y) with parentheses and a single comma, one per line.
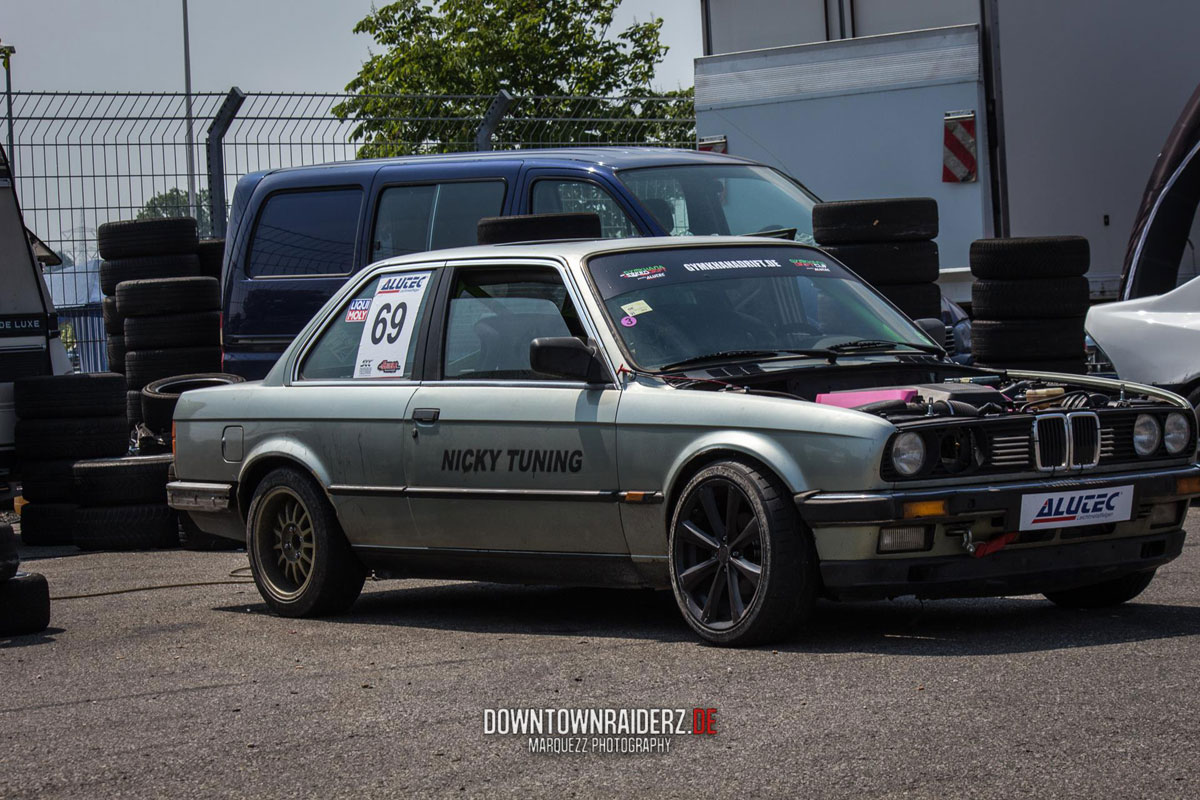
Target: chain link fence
(82,159)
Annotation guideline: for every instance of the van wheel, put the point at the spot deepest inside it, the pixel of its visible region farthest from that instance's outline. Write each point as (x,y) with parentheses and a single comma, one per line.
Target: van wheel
(1103,595)
(302,564)
(743,566)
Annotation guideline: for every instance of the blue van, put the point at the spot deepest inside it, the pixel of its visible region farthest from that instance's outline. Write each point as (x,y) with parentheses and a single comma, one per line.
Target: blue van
(296,235)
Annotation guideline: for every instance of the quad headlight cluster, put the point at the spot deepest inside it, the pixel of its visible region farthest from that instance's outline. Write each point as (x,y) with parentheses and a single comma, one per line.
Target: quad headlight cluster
(1174,434)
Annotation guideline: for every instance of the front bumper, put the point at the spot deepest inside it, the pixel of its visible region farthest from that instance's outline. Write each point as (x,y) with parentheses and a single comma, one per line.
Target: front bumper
(847,528)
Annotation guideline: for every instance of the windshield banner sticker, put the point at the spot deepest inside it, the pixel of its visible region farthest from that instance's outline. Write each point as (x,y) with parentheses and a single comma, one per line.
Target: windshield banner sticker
(627,273)
(753,263)
(812,266)
(645,273)
(390,316)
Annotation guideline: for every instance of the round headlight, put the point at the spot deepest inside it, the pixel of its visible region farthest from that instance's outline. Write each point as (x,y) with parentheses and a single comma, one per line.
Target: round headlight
(1146,434)
(908,453)
(1176,434)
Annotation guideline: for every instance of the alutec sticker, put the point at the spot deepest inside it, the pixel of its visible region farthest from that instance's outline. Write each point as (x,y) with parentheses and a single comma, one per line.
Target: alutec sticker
(1069,509)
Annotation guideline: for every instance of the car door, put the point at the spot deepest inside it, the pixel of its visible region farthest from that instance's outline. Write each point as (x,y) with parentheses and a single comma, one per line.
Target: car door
(504,458)
(350,398)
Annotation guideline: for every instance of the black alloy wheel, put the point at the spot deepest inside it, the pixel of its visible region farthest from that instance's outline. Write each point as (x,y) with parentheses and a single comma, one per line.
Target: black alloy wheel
(743,566)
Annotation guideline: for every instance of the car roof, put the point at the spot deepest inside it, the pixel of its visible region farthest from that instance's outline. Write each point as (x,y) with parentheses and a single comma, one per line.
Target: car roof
(613,157)
(577,249)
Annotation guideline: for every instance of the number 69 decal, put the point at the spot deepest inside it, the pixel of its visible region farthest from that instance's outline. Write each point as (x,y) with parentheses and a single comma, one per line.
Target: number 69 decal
(385,339)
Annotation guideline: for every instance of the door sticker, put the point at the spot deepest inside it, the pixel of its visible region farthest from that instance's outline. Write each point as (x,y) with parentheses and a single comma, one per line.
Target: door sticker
(390,316)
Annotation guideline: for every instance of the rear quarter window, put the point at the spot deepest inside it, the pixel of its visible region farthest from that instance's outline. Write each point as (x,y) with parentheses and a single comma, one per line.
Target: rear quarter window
(306,233)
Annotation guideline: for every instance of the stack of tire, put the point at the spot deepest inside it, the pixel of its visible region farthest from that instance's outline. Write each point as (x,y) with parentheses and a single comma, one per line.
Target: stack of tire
(123,504)
(178,324)
(61,419)
(889,244)
(158,409)
(1029,301)
(24,596)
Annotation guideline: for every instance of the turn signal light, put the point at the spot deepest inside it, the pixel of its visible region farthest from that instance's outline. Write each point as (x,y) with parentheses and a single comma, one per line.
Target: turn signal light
(1188,485)
(924,508)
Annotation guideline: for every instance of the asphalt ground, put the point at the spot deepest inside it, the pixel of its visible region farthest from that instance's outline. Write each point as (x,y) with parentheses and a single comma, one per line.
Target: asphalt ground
(198,691)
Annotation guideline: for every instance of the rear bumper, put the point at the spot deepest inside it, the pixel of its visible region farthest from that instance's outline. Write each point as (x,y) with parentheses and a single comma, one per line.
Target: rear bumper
(204,497)
(1008,572)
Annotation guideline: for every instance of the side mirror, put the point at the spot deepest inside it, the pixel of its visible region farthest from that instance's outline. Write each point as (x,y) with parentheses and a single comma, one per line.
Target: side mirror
(935,329)
(566,357)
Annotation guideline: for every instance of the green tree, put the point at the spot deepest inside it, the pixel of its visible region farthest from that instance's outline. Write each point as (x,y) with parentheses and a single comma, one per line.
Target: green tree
(556,57)
(174,203)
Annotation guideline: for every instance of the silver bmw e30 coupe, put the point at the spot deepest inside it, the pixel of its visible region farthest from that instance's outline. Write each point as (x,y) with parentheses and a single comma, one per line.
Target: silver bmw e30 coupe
(740,419)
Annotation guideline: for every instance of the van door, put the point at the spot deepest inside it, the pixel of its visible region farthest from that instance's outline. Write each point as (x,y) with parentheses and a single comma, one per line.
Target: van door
(24,313)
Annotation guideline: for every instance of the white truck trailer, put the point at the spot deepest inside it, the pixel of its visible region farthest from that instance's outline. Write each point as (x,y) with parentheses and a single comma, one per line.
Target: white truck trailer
(1061,106)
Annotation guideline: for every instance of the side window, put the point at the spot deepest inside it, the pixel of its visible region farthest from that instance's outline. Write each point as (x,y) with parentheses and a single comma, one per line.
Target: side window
(306,233)
(413,219)
(664,198)
(493,316)
(567,196)
(336,353)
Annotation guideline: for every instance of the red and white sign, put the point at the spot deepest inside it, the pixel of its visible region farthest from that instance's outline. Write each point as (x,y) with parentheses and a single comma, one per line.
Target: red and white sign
(958,148)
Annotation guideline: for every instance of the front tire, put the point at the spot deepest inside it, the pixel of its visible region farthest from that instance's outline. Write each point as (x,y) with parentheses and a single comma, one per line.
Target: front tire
(1103,595)
(743,566)
(301,562)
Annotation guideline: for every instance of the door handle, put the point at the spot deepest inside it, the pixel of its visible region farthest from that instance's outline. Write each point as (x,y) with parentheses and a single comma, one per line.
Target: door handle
(426,414)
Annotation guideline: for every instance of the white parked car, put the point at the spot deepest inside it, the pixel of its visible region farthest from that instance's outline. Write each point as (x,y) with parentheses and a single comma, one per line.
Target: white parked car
(1153,340)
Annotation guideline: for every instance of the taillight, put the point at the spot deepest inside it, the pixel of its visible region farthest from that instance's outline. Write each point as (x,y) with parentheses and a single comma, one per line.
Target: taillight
(172,438)
(221,334)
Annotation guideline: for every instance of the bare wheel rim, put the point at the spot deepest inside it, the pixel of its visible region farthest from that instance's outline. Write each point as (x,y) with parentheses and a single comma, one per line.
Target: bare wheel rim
(285,543)
(718,554)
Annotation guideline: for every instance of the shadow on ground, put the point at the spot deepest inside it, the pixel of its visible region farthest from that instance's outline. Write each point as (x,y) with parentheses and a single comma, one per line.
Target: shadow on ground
(902,627)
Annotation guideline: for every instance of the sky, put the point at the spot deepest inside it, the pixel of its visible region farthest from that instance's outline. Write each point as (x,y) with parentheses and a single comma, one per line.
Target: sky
(257,45)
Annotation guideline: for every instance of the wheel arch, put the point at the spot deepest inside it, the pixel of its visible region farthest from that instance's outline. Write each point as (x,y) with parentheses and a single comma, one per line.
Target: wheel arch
(260,465)
(763,453)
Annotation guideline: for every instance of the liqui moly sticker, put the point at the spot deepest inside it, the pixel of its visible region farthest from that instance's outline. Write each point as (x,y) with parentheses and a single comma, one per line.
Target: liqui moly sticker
(1070,509)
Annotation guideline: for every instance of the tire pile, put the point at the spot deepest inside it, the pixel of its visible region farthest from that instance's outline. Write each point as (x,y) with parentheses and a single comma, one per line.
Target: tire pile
(1029,301)
(24,596)
(61,419)
(162,301)
(889,244)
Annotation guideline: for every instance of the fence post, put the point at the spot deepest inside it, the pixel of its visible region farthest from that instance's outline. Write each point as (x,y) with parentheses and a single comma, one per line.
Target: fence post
(214,147)
(495,113)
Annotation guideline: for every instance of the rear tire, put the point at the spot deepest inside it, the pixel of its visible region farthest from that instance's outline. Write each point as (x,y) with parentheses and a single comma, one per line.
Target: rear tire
(743,566)
(302,564)
(1103,595)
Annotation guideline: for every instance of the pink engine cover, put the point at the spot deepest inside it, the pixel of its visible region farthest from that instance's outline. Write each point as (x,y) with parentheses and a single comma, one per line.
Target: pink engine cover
(861,398)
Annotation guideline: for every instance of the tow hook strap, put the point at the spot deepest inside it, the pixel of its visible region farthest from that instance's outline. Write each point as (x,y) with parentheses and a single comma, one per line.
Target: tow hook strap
(994,544)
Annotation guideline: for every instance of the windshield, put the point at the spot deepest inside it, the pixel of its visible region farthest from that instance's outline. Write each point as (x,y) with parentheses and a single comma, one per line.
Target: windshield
(722,200)
(678,305)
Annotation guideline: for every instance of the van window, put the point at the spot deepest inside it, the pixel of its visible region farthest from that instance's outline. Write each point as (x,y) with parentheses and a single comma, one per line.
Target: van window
(413,219)
(567,197)
(306,233)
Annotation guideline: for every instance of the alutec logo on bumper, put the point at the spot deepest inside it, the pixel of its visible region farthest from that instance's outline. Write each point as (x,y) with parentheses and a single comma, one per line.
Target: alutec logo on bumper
(1083,507)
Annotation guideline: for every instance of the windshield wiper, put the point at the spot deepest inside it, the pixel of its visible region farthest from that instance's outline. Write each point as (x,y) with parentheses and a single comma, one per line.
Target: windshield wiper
(883,345)
(732,355)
